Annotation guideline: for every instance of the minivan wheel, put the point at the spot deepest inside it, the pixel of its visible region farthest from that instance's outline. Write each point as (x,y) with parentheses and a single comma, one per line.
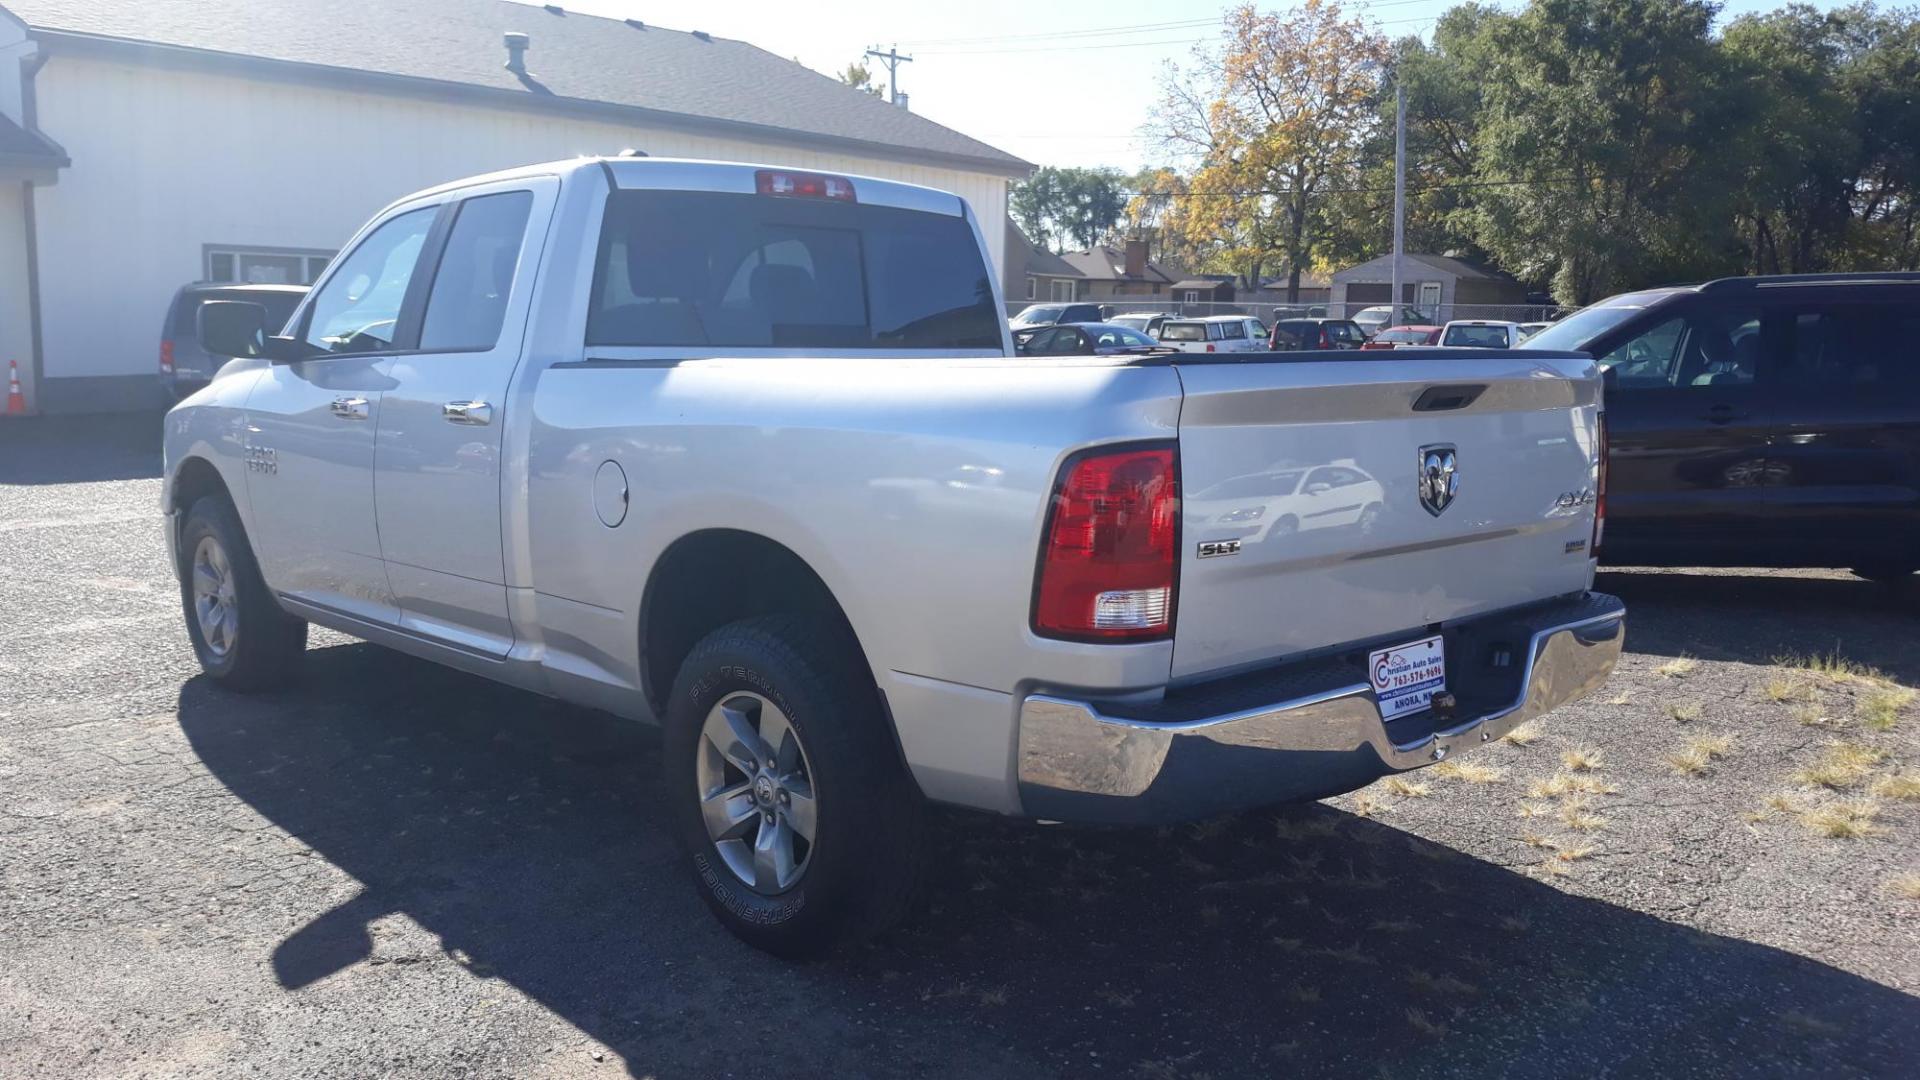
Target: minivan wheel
(800,825)
(239,634)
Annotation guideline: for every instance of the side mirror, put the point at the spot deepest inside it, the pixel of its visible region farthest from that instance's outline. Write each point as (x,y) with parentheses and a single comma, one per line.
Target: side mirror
(1319,488)
(232,328)
(238,328)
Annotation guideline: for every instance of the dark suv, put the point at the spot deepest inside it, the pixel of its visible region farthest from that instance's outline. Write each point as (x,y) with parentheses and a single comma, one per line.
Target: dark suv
(1768,421)
(1289,335)
(1050,314)
(184,365)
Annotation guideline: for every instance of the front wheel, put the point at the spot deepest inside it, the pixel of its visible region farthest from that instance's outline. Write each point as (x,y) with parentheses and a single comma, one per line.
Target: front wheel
(799,823)
(240,635)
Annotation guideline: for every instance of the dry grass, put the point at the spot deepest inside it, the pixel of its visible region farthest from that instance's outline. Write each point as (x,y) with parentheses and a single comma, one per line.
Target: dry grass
(1904,787)
(1518,924)
(1575,854)
(1830,665)
(1561,784)
(1842,766)
(1880,708)
(1574,814)
(1534,839)
(1525,735)
(1624,697)
(1684,712)
(1849,819)
(1679,667)
(1367,804)
(1699,754)
(1581,759)
(1905,886)
(1426,1026)
(1470,771)
(1114,997)
(1813,716)
(1785,688)
(1302,994)
(1554,868)
(1407,789)
(994,997)
(1439,984)
(1808,1024)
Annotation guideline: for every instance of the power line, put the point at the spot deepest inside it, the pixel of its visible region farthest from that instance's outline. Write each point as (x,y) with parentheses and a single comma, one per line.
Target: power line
(893,60)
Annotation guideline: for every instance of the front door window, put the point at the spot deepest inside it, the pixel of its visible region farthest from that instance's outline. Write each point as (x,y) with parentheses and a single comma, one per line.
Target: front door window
(358,309)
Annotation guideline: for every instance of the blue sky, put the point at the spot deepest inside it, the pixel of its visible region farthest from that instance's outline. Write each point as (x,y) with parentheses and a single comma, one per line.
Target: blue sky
(1058,82)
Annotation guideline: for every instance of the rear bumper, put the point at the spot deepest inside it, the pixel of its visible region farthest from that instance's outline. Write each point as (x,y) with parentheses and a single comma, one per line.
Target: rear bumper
(1305,731)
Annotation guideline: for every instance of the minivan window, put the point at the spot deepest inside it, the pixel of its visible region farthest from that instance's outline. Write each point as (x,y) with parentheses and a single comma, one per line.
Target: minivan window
(469,299)
(359,306)
(1476,337)
(1859,346)
(1183,331)
(1236,330)
(1572,333)
(754,271)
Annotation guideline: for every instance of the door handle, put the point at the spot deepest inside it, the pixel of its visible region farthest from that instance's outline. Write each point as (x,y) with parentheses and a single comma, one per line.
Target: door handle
(349,408)
(1721,414)
(475,413)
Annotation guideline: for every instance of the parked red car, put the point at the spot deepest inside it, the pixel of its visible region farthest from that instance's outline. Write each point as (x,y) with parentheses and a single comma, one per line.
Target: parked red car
(1393,337)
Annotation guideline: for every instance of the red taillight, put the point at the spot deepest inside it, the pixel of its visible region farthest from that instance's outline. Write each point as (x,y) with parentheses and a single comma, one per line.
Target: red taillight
(1109,559)
(166,356)
(1325,341)
(803,185)
(1600,486)
(1209,348)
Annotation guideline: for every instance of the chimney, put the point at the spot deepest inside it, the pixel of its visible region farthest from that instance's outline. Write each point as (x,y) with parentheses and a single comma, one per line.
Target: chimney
(517,45)
(1136,266)
(900,100)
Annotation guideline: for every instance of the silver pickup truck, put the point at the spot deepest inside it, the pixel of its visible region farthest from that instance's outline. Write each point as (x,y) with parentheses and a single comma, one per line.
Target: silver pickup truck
(746,452)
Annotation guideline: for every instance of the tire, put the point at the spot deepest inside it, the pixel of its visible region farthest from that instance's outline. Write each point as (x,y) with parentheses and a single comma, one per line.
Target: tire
(254,645)
(860,872)
(1884,575)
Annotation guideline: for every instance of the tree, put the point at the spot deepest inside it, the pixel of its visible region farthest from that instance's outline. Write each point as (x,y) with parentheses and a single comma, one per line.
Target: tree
(860,77)
(1273,121)
(1060,208)
(1606,147)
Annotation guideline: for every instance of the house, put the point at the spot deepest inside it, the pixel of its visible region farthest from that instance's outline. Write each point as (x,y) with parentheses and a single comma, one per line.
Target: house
(1441,285)
(1034,273)
(149,143)
(1204,289)
(1125,273)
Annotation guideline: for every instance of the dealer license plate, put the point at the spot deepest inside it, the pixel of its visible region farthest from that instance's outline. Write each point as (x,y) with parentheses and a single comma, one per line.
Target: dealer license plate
(1405,677)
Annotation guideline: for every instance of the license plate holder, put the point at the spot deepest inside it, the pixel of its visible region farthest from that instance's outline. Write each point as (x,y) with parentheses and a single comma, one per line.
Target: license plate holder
(1405,677)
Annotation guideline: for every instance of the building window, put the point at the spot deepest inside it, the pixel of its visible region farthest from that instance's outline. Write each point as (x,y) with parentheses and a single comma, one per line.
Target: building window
(1062,289)
(1030,287)
(264,266)
(1192,296)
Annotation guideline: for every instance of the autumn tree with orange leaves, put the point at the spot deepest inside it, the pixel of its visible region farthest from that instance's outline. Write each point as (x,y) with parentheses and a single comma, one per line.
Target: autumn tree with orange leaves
(1270,121)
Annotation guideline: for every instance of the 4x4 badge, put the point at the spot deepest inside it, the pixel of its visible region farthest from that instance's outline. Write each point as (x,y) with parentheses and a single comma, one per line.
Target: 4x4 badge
(1439,477)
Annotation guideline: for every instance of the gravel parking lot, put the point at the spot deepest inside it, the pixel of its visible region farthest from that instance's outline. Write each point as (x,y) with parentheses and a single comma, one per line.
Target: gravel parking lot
(1711,868)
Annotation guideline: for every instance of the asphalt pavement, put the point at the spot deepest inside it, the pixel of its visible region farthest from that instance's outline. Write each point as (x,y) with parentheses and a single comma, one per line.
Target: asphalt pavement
(394,869)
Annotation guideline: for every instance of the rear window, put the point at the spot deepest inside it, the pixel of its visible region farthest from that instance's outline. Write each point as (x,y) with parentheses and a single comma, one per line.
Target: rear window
(1402,337)
(752,271)
(1343,331)
(1183,331)
(1476,337)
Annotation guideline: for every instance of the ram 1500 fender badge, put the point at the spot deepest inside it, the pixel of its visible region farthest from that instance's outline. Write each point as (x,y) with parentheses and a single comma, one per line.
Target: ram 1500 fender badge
(1439,476)
(1213,549)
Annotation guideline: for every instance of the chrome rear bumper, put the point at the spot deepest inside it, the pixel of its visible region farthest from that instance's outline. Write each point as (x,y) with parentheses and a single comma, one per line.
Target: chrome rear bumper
(1084,761)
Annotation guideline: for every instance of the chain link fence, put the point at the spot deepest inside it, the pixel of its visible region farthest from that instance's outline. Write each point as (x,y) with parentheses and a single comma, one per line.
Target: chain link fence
(1271,312)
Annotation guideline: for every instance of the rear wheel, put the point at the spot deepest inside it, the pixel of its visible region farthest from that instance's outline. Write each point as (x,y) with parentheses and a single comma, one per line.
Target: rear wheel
(240,635)
(799,823)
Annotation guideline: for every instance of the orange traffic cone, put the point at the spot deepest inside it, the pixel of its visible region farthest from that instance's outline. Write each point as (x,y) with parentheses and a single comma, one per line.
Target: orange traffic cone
(16,401)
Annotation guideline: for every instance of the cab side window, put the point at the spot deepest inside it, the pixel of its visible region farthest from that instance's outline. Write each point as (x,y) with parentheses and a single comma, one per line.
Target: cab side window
(1861,346)
(1234,331)
(469,300)
(358,309)
(1710,346)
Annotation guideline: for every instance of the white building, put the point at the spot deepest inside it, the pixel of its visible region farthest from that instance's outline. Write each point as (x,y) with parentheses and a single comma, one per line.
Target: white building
(150,143)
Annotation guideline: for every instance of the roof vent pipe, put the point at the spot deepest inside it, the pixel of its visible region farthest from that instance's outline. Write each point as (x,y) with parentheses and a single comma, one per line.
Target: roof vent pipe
(517,45)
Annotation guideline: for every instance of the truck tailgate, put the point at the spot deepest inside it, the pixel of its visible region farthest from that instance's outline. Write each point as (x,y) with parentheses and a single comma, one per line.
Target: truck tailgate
(1313,466)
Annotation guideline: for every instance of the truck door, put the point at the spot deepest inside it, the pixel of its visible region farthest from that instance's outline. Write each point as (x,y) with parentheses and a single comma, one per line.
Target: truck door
(311,426)
(437,469)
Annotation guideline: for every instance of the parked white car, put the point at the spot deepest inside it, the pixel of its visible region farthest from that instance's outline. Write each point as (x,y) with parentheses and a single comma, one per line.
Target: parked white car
(1215,333)
(747,452)
(1147,322)
(1374,319)
(1481,334)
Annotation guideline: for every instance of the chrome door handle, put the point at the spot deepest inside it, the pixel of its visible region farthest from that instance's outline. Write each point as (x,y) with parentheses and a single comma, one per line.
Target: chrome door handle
(350,408)
(476,413)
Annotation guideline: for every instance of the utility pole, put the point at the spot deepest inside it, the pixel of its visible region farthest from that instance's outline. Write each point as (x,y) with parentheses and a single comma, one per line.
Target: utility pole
(893,60)
(1399,192)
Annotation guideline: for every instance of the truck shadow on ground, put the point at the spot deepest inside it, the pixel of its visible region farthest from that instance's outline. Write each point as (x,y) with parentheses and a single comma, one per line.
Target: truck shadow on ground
(1676,611)
(527,835)
(80,449)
